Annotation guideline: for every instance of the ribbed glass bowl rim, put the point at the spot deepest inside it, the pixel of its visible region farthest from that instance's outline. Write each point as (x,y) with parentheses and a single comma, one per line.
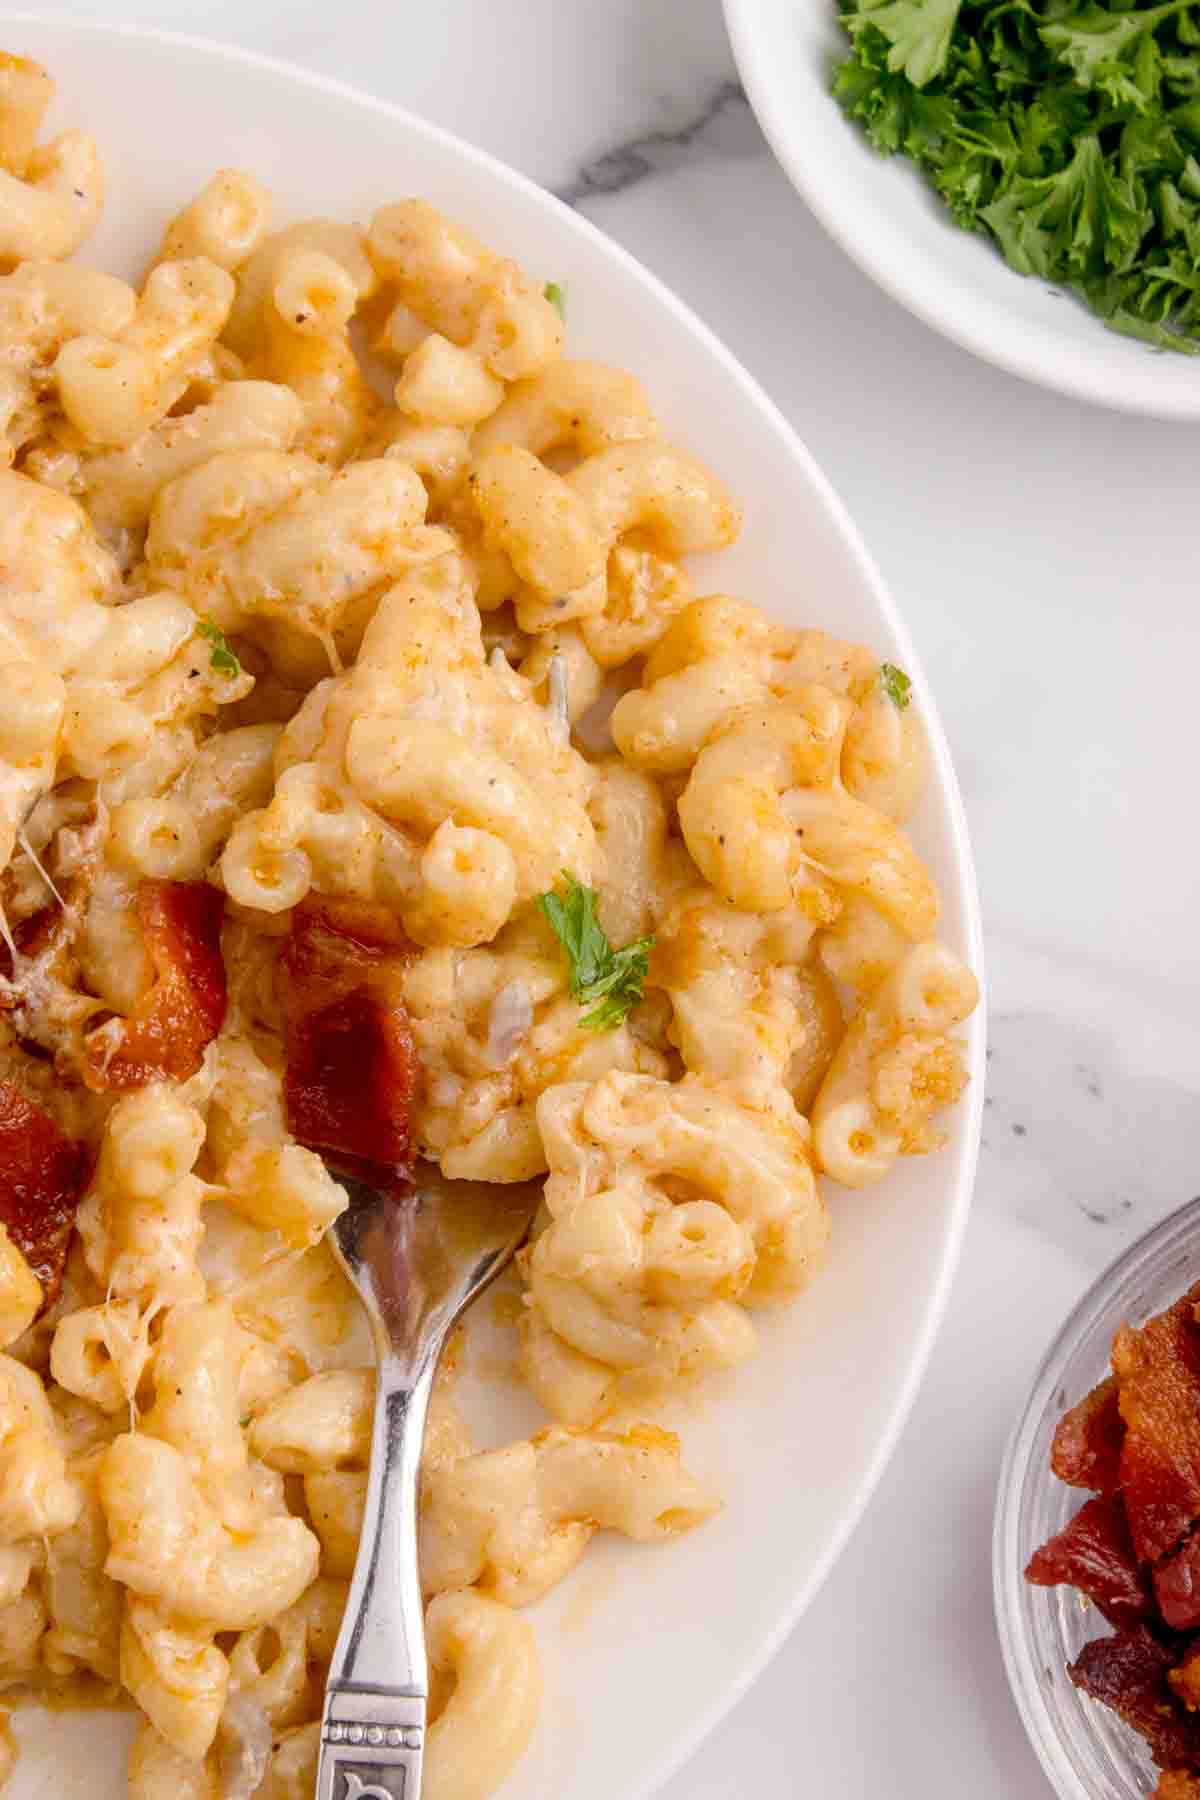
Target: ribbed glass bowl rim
(1023,1474)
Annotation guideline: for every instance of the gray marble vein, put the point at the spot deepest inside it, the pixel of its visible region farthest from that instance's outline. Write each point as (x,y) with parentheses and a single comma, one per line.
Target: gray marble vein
(1078,1142)
(622,167)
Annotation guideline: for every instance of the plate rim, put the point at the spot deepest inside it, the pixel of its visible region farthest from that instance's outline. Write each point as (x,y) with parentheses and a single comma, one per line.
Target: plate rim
(1037,366)
(683,1745)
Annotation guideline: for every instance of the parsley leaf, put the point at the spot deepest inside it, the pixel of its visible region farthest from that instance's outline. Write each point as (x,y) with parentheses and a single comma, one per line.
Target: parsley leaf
(556,294)
(1093,41)
(917,31)
(1066,131)
(609,981)
(896,685)
(224,661)
(1081,221)
(573,918)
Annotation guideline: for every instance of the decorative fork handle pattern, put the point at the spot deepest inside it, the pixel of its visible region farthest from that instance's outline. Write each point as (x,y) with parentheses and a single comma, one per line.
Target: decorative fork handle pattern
(373,1726)
(372,1742)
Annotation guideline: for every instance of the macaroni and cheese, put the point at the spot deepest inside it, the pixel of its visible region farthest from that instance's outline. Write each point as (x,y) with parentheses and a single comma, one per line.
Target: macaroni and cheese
(355,688)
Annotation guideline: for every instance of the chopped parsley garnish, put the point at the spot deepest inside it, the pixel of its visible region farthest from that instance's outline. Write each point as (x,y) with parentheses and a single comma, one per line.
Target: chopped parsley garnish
(896,685)
(224,661)
(609,981)
(556,294)
(1067,132)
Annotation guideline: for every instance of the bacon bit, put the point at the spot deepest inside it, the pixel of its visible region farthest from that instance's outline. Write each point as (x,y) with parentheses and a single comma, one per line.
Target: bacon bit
(1158,1371)
(1086,1452)
(1095,1555)
(1185,1680)
(1129,1672)
(42,1176)
(351,1061)
(174,1023)
(1177,1587)
(1177,1784)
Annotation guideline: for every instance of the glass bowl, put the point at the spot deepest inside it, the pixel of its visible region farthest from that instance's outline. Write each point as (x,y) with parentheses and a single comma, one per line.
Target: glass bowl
(1085,1750)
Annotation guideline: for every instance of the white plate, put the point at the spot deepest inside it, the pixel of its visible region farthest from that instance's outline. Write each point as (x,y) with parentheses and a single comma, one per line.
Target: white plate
(644,1650)
(890,221)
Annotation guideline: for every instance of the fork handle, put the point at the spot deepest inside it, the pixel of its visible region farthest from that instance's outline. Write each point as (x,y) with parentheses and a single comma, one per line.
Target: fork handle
(373,1726)
(372,1743)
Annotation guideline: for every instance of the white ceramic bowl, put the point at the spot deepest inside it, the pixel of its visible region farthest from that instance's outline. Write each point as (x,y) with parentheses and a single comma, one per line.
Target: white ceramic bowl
(890,221)
(644,1650)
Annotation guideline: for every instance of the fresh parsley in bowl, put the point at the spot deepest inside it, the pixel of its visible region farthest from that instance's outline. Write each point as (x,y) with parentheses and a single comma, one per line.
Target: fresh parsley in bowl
(1067,130)
(1064,133)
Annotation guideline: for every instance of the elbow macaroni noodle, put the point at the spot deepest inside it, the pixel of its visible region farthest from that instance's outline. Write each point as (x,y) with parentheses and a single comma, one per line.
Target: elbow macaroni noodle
(272,623)
(50,196)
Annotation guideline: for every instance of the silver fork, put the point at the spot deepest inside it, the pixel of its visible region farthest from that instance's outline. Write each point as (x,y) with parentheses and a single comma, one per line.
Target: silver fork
(417,1263)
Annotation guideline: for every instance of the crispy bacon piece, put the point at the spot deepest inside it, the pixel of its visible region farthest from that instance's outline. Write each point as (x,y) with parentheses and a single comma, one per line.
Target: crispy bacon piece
(1086,1451)
(1095,1554)
(173,1025)
(42,1176)
(1177,1586)
(1158,1374)
(1185,1680)
(1177,1784)
(352,1064)
(1129,1672)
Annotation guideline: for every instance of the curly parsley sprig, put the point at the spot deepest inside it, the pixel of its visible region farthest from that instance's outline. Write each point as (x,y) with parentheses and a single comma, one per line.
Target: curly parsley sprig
(1067,131)
(610,981)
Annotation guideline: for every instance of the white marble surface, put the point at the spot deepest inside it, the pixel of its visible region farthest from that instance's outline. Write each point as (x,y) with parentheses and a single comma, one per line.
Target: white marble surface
(1045,555)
